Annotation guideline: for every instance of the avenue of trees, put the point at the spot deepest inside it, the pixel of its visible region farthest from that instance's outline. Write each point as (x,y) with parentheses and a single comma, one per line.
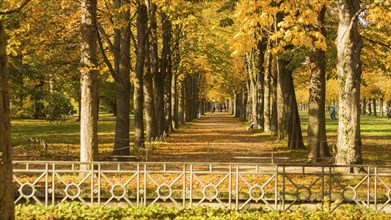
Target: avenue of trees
(163,60)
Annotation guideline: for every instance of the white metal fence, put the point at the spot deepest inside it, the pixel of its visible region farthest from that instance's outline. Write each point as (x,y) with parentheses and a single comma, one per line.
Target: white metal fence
(234,186)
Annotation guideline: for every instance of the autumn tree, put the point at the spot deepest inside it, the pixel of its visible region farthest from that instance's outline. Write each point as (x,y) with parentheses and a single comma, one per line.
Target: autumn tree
(6,190)
(40,74)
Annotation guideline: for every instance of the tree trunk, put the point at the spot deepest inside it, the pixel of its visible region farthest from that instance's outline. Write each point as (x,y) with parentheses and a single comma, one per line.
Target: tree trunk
(89,84)
(281,129)
(195,98)
(161,75)
(349,45)
(122,123)
(159,102)
(266,89)
(374,107)
(262,50)
(142,18)
(290,115)
(364,104)
(174,101)
(167,97)
(149,105)
(248,105)
(158,77)
(181,103)
(149,101)
(7,207)
(317,142)
(252,84)
(381,106)
(274,96)
(243,107)
(236,111)
(185,88)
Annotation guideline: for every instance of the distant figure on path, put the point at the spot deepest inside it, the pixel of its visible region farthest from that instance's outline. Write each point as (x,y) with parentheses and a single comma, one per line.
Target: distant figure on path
(199,113)
(253,123)
(333,113)
(214,109)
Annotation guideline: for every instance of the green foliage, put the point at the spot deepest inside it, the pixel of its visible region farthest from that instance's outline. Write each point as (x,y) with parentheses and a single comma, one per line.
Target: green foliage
(75,210)
(57,105)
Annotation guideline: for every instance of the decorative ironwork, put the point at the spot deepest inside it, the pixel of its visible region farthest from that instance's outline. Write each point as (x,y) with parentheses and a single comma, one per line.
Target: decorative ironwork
(234,186)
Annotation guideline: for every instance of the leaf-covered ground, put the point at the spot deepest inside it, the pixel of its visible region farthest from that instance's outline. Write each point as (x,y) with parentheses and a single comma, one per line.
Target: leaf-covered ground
(215,137)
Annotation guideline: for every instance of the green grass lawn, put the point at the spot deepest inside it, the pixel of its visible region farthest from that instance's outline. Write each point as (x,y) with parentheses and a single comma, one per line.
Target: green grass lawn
(375,133)
(62,138)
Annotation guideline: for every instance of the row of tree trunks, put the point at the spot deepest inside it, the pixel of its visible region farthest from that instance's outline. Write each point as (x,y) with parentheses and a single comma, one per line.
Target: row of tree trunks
(260,91)
(120,71)
(283,101)
(168,98)
(371,106)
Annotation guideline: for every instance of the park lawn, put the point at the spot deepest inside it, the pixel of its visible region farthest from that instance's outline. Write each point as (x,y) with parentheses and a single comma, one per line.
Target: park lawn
(375,135)
(62,138)
(375,132)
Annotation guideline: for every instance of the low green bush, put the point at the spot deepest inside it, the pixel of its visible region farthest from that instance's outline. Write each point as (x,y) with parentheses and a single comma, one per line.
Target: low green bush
(75,210)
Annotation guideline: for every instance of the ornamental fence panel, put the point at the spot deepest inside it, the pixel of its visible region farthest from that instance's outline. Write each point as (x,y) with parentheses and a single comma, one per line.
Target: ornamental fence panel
(183,185)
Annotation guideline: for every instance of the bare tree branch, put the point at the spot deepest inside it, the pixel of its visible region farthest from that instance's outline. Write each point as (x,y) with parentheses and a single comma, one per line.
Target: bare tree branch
(13,10)
(106,59)
(376,42)
(107,39)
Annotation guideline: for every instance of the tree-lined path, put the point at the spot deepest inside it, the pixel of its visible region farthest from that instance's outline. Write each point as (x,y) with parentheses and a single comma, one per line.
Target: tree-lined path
(215,137)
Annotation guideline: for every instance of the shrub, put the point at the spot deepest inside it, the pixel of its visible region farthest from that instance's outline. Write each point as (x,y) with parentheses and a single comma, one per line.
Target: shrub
(75,210)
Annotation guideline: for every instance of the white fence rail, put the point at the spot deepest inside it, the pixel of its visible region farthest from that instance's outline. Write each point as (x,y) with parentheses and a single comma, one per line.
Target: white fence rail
(234,186)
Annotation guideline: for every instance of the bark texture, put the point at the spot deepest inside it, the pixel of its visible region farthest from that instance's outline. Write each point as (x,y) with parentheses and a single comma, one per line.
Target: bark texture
(149,104)
(290,124)
(89,83)
(266,90)
(142,18)
(262,50)
(7,207)
(349,45)
(317,141)
(121,146)
(274,99)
